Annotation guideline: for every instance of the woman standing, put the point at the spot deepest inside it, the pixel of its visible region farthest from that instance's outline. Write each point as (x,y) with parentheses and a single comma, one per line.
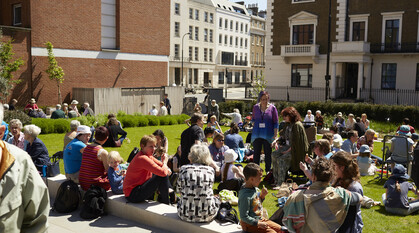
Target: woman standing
(265,129)
(36,148)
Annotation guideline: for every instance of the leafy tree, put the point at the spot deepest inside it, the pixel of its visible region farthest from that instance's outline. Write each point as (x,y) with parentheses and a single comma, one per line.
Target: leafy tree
(259,84)
(7,68)
(55,72)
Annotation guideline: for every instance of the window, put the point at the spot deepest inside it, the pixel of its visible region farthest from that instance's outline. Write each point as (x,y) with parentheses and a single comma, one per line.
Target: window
(108,24)
(196,33)
(225,40)
(301,75)
(388,76)
(205,16)
(226,23)
(195,74)
(205,54)
(177,9)
(211,18)
(196,14)
(237,26)
(231,25)
(227,58)
(177,26)
(251,58)
(221,22)
(196,54)
(237,41)
(241,27)
(190,32)
(241,42)
(220,77)
(210,35)
(210,55)
(231,40)
(261,42)
(245,30)
(190,52)
(253,39)
(17,14)
(236,77)
(229,77)
(177,50)
(391,37)
(417,77)
(245,43)
(358,31)
(220,39)
(205,34)
(190,76)
(190,13)
(302,34)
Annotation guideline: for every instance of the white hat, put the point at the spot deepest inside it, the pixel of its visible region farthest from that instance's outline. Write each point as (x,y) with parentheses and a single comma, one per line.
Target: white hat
(337,143)
(83,129)
(74,102)
(339,114)
(230,156)
(32,101)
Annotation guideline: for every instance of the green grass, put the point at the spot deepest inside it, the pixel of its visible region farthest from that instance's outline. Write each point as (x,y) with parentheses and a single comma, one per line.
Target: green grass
(375,219)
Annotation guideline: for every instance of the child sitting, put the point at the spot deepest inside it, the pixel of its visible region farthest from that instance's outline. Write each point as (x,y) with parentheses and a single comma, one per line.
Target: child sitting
(321,149)
(337,144)
(250,203)
(231,175)
(365,163)
(395,199)
(116,174)
(214,124)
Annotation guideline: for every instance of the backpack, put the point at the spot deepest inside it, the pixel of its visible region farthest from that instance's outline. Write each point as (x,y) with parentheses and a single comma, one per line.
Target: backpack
(93,202)
(68,197)
(133,153)
(226,213)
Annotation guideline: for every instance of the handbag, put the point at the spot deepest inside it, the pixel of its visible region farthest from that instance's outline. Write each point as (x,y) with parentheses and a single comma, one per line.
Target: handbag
(53,169)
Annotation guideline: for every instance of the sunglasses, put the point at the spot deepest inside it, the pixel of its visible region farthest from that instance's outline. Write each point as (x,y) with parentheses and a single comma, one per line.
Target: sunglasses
(220,140)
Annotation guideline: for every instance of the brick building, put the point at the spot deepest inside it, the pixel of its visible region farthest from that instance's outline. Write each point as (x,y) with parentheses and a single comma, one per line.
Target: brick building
(374,50)
(107,43)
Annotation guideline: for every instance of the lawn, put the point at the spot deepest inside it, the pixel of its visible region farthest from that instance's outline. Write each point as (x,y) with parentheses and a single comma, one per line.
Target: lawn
(375,219)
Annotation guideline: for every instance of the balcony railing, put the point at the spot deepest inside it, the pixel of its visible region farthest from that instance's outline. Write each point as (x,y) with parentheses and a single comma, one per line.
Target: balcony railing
(241,63)
(392,97)
(409,47)
(177,58)
(299,50)
(351,47)
(258,63)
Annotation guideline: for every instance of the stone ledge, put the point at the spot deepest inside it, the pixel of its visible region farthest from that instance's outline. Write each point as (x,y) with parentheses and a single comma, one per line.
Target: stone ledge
(150,213)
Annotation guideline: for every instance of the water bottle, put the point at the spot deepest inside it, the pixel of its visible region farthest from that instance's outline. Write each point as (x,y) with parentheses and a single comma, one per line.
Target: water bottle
(44,171)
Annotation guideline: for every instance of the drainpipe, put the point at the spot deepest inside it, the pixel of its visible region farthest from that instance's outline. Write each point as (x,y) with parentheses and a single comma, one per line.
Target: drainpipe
(347,26)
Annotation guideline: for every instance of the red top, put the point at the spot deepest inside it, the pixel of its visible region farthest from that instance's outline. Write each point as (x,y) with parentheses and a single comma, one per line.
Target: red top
(92,170)
(29,106)
(141,169)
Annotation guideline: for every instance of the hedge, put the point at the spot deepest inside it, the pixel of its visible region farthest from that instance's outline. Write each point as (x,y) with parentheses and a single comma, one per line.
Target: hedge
(63,125)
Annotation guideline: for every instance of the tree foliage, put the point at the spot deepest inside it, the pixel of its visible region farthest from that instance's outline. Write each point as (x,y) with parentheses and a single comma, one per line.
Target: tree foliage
(259,84)
(54,71)
(7,68)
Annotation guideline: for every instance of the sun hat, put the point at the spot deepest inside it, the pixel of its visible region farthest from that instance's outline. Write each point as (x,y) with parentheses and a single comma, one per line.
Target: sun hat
(58,105)
(339,114)
(399,171)
(364,149)
(248,117)
(65,104)
(74,102)
(32,101)
(230,156)
(404,130)
(83,129)
(337,142)
(415,136)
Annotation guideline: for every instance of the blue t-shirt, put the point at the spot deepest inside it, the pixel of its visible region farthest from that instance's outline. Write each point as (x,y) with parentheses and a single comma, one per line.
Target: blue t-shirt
(350,147)
(6,132)
(115,180)
(234,141)
(72,156)
(397,199)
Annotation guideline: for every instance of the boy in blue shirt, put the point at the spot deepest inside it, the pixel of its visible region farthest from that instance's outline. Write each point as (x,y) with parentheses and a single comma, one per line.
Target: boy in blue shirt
(250,203)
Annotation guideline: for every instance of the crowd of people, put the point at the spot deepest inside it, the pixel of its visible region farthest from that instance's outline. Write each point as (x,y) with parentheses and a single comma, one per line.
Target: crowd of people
(330,200)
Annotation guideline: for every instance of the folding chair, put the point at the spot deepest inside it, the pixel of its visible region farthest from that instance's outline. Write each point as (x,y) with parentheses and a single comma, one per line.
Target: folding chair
(387,154)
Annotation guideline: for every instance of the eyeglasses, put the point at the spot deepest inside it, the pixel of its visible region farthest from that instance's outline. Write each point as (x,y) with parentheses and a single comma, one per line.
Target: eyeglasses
(220,140)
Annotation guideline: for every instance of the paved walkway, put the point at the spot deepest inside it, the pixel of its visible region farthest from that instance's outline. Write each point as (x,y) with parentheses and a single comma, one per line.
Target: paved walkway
(66,223)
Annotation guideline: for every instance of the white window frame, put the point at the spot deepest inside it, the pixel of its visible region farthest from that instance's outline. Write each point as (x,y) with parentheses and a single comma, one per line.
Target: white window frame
(15,6)
(295,21)
(210,55)
(211,17)
(177,29)
(205,34)
(197,33)
(211,34)
(358,18)
(392,16)
(177,11)
(190,13)
(197,14)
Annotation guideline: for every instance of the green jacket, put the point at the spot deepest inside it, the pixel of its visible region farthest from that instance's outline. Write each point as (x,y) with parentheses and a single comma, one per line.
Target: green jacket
(24,199)
(299,145)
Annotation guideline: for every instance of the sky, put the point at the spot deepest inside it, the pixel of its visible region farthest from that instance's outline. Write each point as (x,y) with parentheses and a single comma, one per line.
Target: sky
(261,3)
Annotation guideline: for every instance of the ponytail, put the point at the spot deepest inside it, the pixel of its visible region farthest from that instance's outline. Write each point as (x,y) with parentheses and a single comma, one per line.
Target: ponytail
(398,189)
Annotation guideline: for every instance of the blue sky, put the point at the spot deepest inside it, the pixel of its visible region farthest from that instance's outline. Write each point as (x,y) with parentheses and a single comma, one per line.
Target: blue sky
(261,3)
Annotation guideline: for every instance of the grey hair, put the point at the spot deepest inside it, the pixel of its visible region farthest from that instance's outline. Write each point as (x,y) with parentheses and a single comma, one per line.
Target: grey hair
(32,130)
(1,112)
(200,154)
(318,111)
(74,124)
(236,110)
(16,122)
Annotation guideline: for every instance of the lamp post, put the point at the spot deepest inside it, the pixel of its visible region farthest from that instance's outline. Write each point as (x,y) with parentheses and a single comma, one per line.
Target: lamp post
(183,37)
(225,83)
(327,76)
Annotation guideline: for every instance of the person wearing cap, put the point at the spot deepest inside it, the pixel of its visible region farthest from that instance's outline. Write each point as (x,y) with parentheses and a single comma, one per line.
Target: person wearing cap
(214,109)
(73,153)
(73,109)
(406,121)
(232,177)
(58,113)
(395,198)
(163,110)
(365,163)
(398,145)
(336,145)
(31,106)
(87,109)
(35,147)
(153,111)
(339,122)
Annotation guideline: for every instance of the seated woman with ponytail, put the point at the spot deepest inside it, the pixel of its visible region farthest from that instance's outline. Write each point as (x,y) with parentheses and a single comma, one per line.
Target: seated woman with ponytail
(231,176)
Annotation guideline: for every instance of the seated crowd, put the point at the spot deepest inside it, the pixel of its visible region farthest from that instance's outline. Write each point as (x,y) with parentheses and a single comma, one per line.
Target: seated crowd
(330,201)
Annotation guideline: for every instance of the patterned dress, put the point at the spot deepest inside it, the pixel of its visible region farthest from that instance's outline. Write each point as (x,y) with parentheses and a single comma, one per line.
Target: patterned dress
(197,202)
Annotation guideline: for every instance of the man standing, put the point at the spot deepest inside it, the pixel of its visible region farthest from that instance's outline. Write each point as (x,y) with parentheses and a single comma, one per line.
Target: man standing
(191,136)
(349,145)
(213,109)
(24,204)
(58,113)
(162,110)
(167,103)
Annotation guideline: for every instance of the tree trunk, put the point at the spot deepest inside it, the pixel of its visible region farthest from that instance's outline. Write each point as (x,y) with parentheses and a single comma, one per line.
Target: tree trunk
(59,93)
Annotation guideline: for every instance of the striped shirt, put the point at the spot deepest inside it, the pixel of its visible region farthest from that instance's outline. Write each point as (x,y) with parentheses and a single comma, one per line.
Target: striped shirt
(92,170)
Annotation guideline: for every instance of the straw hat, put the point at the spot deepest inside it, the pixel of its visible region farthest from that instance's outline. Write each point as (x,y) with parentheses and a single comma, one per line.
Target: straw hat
(230,156)
(74,102)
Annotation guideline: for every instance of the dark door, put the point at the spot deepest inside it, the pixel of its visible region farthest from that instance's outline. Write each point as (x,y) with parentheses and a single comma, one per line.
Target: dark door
(177,76)
(351,80)
(206,78)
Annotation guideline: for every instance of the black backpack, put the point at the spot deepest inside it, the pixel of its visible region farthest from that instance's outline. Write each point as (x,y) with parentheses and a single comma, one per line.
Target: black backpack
(226,213)
(68,197)
(133,153)
(93,202)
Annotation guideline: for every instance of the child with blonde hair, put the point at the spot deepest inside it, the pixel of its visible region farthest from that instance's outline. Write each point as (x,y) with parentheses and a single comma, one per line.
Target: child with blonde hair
(116,174)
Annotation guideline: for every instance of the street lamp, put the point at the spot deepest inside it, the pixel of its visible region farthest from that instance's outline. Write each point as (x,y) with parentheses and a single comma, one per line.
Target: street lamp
(183,37)
(327,76)
(225,83)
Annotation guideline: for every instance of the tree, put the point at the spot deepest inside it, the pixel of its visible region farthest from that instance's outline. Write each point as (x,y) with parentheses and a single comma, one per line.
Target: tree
(7,68)
(259,84)
(55,72)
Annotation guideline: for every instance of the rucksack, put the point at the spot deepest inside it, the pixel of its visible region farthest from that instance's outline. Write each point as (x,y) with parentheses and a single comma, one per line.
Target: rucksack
(68,197)
(93,202)
(226,213)
(133,153)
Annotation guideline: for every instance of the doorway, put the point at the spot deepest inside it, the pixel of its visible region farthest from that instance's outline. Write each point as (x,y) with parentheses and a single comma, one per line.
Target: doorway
(177,76)
(351,80)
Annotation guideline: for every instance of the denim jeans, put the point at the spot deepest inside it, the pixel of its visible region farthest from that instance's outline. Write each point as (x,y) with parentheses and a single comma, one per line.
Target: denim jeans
(257,146)
(413,207)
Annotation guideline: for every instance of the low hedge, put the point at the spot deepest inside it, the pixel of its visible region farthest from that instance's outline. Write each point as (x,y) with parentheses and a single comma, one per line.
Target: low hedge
(63,125)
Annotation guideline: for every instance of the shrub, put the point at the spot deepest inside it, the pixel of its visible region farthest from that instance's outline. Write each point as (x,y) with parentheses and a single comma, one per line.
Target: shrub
(153,120)
(142,121)
(181,118)
(23,117)
(61,125)
(121,114)
(128,121)
(45,124)
(164,120)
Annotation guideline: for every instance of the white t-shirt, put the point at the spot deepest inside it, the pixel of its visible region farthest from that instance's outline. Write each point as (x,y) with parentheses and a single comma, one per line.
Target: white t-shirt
(153,112)
(162,111)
